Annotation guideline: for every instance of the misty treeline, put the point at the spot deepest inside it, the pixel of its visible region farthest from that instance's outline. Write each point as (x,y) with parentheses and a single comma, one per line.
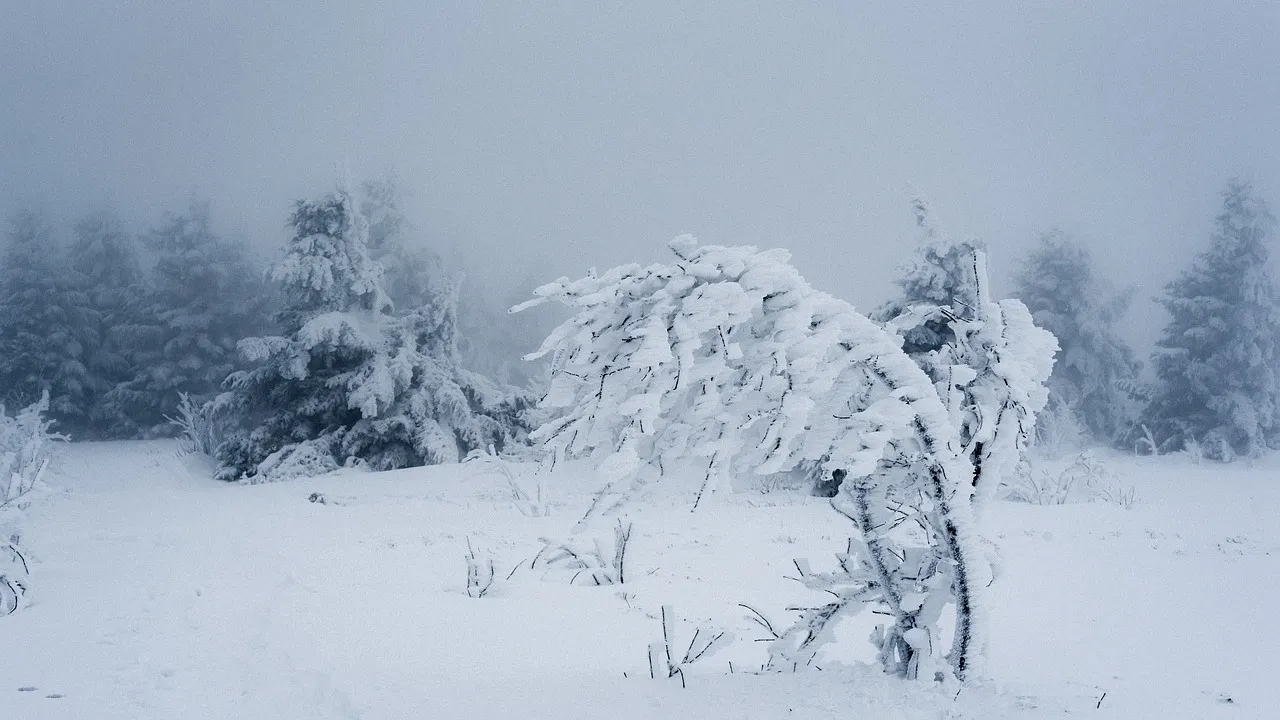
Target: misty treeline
(134,335)
(1213,385)
(359,346)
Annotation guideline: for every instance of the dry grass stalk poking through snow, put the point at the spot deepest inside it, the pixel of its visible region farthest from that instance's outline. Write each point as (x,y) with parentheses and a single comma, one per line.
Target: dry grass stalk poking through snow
(664,658)
(589,565)
(479,573)
(531,502)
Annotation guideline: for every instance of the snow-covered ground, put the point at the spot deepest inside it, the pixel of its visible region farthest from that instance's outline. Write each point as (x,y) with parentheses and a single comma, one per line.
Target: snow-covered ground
(159,593)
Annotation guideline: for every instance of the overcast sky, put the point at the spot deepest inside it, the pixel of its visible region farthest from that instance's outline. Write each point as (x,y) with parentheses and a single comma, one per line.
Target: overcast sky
(552,136)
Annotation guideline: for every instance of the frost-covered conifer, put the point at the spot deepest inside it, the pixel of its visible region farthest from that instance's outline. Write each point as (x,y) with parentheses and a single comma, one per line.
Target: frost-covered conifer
(446,410)
(43,311)
(350,381)
(727,359)
(203,296)
(1096,374)
(1216,362)
(333,317)
(105,261)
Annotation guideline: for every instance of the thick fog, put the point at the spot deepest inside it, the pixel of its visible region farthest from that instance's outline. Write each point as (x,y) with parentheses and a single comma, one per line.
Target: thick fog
(549,137)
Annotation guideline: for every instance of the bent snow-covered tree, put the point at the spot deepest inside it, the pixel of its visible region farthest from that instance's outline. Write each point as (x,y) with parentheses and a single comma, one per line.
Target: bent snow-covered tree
(728,358)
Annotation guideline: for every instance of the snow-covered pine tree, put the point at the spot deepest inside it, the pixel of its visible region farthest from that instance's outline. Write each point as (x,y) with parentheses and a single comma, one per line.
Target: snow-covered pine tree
(727,359)
(105,260)
(1216,362)
(1095,376)
(446,410)
(988,360)
(43,312)
(333,319)
(203,296)
(349,381)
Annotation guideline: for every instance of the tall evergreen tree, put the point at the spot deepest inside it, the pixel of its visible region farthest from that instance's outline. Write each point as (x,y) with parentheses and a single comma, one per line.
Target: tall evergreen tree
(1216,361)
(203,296)
(1095,376)
(349,380)
(42,313)
(105,261)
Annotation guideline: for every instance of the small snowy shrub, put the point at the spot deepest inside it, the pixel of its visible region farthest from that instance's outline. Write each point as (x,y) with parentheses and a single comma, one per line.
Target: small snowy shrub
(1085,479)
(310,458)
(1193,450)
(1059,430)
(1038,486)
(203,426)
(25,448)
(1145,443)
(665,658)
(593,565)
(13,577)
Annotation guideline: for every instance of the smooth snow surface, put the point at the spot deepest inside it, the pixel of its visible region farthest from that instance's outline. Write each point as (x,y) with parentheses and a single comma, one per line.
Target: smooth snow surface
(159,593)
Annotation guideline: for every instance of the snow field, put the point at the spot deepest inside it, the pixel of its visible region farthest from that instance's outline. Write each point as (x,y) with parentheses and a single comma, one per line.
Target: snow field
(159,593)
